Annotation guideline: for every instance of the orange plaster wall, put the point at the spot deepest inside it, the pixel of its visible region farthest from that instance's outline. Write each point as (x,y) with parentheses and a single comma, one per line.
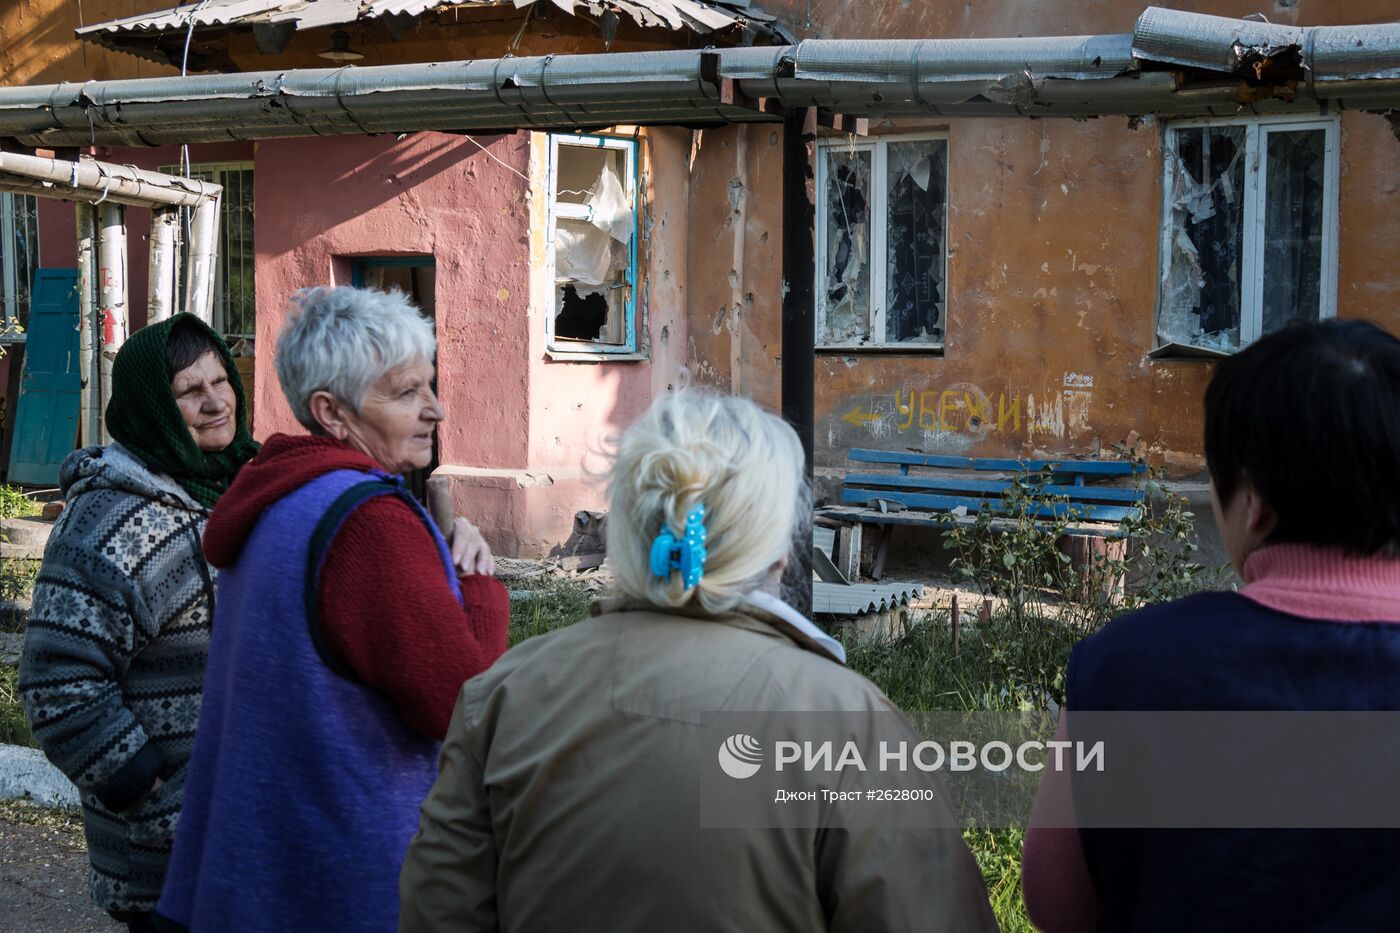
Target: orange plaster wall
(1052,267)
(49,52)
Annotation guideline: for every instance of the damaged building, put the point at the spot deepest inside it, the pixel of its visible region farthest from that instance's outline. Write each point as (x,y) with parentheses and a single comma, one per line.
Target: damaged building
(1032,228)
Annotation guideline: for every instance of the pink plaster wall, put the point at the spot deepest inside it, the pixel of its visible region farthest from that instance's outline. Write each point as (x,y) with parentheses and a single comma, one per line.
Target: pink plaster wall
(577,408)
(321,201)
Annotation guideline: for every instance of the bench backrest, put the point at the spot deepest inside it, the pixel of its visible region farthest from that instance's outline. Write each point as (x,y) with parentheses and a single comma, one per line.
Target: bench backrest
(941,492)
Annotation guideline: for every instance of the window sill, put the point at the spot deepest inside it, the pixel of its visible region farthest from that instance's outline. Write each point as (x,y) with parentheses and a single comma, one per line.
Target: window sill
(1187,353)
(876,349)
(592,356)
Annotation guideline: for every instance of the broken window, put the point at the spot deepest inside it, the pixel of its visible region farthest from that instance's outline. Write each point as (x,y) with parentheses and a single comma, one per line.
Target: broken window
(1246,247)
(593,224)
(19,255)
(882,241)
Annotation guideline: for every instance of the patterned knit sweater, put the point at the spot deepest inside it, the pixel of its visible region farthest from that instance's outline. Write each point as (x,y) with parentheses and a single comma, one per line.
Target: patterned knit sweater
(113,665)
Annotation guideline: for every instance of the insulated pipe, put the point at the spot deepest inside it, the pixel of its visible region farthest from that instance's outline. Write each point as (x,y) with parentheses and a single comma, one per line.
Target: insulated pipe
(103,178)
(160,298)
(111,254)
(203,253)
(39,189)
(89,371)
(891,77)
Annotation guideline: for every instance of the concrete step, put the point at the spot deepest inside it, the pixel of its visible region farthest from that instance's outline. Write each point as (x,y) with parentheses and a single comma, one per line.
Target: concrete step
(10,551)
(31,531)
(25,772)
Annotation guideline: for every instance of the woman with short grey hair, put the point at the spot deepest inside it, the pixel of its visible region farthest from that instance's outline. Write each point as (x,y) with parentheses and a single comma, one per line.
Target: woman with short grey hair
(345,627)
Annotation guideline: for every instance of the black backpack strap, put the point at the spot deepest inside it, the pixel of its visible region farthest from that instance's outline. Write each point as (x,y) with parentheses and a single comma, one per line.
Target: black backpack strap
(321,537)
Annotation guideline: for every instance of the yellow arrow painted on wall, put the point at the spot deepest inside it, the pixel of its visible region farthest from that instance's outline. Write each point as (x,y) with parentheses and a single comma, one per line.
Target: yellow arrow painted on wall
(857,417)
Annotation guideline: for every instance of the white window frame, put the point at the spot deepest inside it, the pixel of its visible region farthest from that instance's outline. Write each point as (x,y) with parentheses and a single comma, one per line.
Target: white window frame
(879,234)
(630,149)
(1257,129)
(217,169)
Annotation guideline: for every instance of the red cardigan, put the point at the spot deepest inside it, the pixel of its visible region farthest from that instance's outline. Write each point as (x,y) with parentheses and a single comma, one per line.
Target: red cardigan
(385,607)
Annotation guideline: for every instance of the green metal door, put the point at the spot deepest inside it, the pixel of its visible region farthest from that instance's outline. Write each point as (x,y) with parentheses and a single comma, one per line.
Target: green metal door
(46,420)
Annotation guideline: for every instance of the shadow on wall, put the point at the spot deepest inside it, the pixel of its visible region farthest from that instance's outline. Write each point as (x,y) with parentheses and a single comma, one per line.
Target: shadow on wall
(404,167)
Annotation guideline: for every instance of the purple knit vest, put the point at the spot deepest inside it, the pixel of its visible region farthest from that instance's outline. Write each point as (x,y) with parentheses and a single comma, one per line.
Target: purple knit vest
(304,786)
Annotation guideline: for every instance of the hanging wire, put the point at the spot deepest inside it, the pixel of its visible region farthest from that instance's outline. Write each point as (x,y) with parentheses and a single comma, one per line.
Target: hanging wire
(493,156)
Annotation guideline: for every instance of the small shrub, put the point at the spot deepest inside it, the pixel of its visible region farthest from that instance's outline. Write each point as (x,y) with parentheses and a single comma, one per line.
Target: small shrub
(15,504)
(17,578)
(1011,554)
(14,725)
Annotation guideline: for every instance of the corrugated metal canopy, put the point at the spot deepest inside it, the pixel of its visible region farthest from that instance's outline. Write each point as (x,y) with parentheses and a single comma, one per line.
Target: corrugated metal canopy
(139,34)
(1075,76)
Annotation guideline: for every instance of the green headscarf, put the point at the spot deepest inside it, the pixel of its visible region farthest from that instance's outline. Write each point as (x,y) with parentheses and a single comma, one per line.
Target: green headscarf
(143,417)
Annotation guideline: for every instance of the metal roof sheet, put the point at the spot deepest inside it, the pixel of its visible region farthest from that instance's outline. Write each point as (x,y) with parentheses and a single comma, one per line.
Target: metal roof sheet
(858,599)
(701,16)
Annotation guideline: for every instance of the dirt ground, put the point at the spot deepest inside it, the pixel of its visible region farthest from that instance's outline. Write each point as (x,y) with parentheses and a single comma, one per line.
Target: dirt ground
(43,873)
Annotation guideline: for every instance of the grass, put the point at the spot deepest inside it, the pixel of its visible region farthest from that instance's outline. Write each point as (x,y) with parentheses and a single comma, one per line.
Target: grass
(1000,665)
(550,606)
(14,725)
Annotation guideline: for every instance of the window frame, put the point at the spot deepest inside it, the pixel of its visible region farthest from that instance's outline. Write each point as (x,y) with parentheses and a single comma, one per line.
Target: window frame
(631,150)
(11,268)
(217,169)
(879,235)
(1257,128)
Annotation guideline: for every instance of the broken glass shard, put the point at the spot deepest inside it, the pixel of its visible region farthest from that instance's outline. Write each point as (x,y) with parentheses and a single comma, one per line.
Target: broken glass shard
(1201,293)
(1294,180)
(915,241)
(845,295)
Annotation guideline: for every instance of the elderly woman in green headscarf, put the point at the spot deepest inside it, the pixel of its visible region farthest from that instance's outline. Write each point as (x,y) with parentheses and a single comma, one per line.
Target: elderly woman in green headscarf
(113,666)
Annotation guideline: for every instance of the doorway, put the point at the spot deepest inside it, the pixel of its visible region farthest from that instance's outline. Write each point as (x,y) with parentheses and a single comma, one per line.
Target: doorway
(416,277)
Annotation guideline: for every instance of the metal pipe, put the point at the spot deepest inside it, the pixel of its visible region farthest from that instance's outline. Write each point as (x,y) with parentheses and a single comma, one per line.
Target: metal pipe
(160,297)
(88,369)
(203,253)
(104,178)
(111,253)
(883,77)
(64,193)
(799,330)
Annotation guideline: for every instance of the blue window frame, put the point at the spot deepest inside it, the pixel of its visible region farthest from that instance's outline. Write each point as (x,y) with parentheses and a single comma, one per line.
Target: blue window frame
(593,220)
(362,268)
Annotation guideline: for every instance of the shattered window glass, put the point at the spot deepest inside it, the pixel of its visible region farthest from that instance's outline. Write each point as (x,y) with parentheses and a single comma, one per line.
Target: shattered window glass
(1201,288)
(595,218)
(846,270)
(914,243)
(1294,182)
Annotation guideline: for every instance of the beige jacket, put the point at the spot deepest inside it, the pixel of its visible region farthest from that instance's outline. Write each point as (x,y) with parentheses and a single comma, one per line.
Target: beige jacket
(567,796)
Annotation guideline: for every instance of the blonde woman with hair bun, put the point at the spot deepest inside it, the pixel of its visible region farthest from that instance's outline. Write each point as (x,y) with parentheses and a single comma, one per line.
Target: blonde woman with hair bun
(568,797)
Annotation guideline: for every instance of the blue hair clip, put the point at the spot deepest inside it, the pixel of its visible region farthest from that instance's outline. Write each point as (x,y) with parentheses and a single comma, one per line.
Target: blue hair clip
(686,555)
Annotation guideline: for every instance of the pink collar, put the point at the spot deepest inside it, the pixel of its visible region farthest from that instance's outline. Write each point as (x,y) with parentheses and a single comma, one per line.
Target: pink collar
(1324,583)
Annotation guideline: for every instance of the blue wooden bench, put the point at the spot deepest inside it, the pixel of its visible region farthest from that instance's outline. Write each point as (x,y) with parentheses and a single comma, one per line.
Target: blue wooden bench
(968,486)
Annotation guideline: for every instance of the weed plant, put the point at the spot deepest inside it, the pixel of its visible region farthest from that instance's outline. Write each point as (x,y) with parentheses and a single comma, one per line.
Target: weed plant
(14,725)
(15,504)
